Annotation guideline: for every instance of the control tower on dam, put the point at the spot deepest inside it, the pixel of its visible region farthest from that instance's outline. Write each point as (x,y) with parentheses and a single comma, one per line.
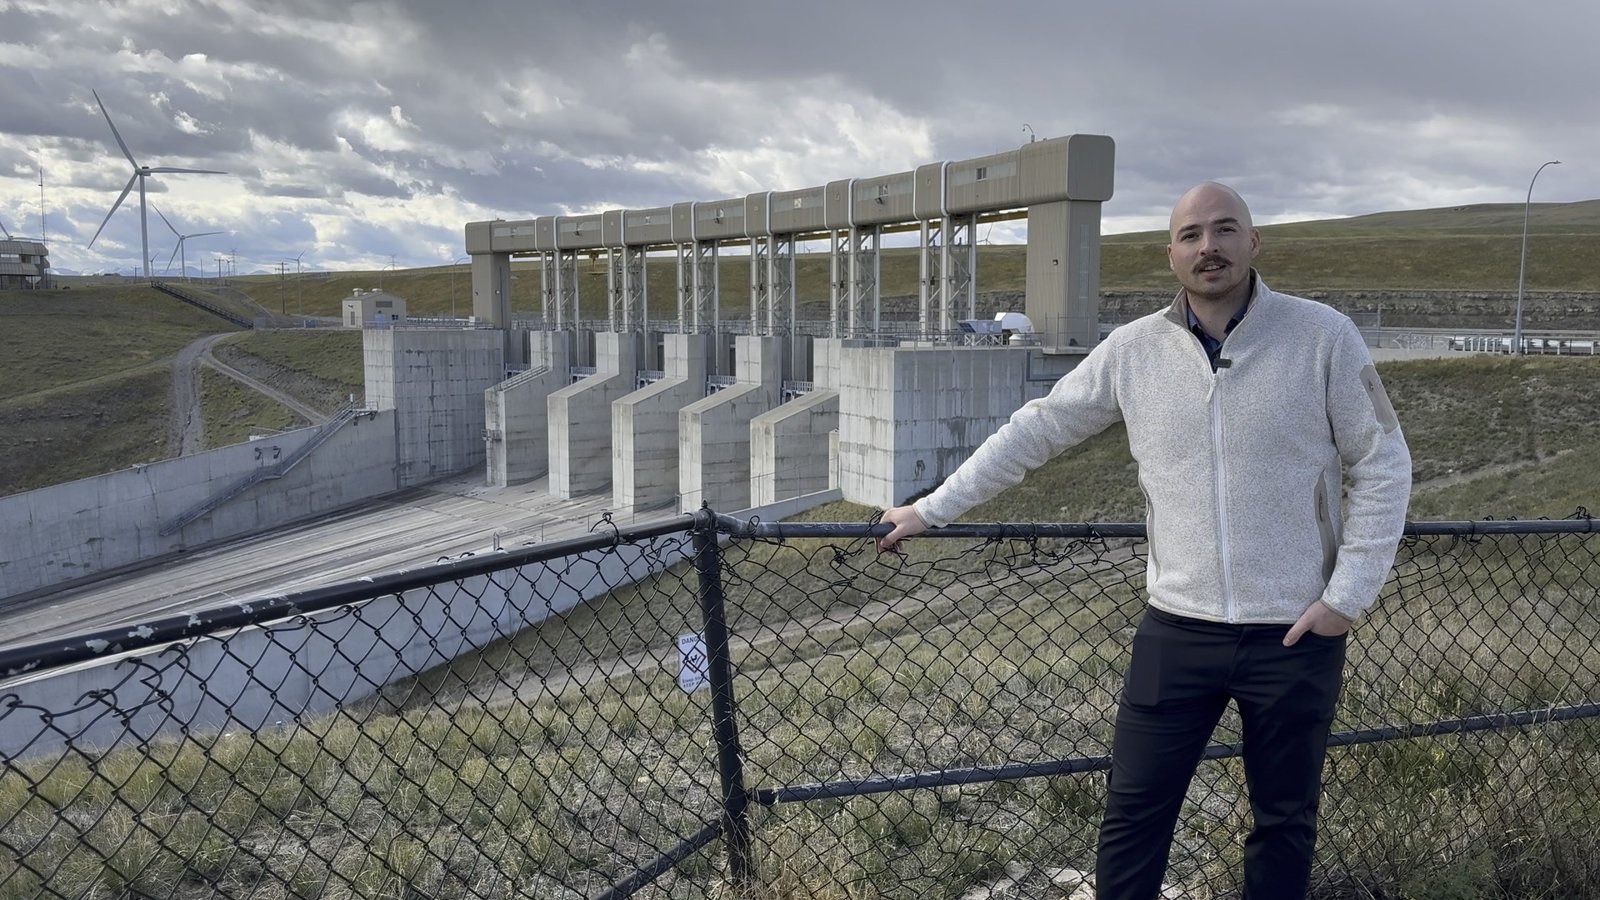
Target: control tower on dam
(670,404)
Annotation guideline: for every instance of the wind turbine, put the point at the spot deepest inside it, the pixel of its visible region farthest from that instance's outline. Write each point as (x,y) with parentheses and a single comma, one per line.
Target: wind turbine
(139,175)
(183,265)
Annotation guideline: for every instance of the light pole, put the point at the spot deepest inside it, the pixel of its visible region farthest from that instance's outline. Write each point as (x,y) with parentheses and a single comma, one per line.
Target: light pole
(453,265)
(1522,268)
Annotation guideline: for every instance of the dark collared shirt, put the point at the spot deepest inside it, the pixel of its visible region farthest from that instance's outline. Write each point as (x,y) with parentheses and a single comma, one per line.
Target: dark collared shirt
(1213,346)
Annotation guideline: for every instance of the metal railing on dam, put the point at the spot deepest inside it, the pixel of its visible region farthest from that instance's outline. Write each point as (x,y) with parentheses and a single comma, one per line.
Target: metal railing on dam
(776,710)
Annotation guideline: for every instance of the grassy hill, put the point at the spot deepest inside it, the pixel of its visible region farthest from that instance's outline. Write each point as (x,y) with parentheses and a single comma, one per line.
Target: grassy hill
(88,379)
(88,386)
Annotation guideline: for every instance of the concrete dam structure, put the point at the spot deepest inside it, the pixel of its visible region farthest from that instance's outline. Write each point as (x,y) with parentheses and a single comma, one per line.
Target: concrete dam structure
(692,408)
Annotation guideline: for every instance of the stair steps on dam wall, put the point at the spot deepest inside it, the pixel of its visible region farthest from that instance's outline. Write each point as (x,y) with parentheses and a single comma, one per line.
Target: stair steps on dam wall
(265,473)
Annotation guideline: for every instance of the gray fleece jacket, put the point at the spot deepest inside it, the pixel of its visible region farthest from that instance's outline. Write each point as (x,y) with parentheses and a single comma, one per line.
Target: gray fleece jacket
(1241,467)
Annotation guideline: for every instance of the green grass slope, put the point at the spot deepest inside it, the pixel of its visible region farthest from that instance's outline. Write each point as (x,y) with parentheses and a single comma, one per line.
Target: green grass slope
(80,430)
(88,379)
(232,412)
(49,339)
(320,367)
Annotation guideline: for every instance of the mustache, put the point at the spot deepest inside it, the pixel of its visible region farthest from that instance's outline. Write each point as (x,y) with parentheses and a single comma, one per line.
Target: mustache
(1211,260)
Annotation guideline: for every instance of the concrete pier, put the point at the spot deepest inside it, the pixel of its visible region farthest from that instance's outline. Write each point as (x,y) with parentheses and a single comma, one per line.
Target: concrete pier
(434,381)
(714,454)
(580,417)
(909,416)
(790,446)
(644,426)
(516,412)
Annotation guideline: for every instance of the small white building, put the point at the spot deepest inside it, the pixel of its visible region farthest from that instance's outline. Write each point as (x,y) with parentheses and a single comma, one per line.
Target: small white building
(373,309)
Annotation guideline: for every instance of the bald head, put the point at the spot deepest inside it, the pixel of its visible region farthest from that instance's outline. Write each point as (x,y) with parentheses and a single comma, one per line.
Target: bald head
(1210,194)
(1212,244)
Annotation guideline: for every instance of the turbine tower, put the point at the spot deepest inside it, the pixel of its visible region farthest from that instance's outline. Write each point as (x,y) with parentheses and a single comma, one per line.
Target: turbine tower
(178,251)
(139,175)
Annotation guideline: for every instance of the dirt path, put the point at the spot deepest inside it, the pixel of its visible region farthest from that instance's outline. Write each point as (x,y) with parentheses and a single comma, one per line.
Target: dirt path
(186,432)
(310,415)
(1496,469)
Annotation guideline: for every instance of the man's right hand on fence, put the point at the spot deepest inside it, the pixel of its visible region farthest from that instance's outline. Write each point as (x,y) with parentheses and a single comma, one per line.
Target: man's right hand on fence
(906,523)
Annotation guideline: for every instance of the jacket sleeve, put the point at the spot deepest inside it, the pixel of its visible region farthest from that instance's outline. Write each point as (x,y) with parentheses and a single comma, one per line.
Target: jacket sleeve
(1082,404)
(1378,465)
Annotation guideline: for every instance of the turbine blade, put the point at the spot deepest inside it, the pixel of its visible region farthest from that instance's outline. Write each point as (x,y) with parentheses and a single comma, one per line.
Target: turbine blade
(164,219)
(114,133)
(173,257)
(113,211)
(187,171)
(204,234)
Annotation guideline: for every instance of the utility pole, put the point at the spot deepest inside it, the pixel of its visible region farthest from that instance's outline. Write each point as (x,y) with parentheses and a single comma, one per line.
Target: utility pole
(299,289)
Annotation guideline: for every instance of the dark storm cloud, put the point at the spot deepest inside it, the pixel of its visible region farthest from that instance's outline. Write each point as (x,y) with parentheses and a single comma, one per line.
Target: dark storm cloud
(395,122)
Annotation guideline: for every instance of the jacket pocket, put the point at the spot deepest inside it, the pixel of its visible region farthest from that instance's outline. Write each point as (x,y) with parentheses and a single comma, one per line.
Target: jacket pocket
(1330,547)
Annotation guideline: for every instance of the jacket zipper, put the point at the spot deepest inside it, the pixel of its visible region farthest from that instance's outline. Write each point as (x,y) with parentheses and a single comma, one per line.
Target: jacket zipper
(1222,493)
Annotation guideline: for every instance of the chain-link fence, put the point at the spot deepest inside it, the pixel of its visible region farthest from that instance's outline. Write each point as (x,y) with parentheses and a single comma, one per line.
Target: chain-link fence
(730,709)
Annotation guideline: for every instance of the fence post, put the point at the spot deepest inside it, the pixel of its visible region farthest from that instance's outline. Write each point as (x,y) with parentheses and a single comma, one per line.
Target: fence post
(725,729)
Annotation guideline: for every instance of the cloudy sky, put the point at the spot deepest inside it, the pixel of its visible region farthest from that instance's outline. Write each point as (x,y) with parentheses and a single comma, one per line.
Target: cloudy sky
(356,131)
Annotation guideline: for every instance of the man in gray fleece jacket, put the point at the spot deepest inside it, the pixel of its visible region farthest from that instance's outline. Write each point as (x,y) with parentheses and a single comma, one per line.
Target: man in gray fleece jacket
(1244,408)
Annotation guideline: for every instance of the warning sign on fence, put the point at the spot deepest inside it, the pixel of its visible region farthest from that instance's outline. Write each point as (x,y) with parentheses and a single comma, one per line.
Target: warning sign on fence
(691,662)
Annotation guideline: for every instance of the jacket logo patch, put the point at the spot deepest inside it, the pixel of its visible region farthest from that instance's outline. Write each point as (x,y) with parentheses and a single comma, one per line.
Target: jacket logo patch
(1381,407)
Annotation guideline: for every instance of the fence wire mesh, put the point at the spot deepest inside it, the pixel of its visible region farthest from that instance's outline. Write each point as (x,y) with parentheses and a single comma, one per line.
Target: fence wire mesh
(732,710)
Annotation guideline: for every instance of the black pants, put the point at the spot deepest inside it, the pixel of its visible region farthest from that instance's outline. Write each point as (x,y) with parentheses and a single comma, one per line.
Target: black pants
(1182,674)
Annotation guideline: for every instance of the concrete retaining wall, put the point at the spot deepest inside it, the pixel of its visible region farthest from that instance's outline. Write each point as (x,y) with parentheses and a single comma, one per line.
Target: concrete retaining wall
(434,381)
(57,535)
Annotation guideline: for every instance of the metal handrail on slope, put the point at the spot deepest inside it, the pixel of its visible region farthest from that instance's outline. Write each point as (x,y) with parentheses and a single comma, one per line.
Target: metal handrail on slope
(196,300)
(519,379)
(264,473)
